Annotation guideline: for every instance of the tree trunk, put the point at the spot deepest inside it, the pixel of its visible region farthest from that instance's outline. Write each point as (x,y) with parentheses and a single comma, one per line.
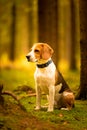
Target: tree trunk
(82,94)
(0,16)
(72,64)
(48,24)
(32,22)
(71,33)
(12,49)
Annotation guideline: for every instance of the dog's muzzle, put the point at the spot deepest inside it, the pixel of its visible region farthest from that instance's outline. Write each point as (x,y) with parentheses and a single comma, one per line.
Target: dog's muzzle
(28,58)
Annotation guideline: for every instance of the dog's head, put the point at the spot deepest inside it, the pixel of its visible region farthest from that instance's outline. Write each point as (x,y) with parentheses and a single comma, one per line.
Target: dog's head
(40,51)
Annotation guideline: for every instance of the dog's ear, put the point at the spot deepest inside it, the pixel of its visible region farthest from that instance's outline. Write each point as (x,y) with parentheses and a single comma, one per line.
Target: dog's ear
(47,51)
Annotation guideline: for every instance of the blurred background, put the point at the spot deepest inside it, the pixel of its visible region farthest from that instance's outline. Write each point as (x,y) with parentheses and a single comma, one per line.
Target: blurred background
(56,22)
(25,22)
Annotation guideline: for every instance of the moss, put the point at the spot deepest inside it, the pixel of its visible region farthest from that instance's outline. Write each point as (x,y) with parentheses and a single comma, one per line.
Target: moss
(12,117)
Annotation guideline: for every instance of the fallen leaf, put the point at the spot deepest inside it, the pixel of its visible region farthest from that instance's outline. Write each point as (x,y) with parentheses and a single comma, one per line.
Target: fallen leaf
(60,115)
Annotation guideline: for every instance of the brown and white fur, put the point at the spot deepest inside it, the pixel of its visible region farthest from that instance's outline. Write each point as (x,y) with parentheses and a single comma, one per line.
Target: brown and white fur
(48,80)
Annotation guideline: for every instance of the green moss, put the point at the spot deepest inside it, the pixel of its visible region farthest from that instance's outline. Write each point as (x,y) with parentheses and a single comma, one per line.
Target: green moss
(76,119)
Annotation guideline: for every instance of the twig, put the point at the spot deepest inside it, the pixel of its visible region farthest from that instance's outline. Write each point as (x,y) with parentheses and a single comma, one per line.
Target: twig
(14,96)
(11,94)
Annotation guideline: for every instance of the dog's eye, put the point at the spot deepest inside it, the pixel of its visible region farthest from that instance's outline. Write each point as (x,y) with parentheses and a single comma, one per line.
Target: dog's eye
(36,50)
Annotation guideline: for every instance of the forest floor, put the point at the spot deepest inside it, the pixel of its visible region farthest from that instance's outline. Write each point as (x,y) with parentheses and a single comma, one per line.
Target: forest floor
(15,117)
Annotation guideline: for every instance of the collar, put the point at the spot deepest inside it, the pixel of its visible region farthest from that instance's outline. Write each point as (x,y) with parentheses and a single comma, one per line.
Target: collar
(44,65)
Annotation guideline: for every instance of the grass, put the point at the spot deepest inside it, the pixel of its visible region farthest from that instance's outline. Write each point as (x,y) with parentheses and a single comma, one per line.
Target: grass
(76,119)
(12,78)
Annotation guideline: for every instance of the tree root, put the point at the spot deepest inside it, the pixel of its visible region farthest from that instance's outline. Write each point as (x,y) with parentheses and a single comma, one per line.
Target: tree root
(9,93)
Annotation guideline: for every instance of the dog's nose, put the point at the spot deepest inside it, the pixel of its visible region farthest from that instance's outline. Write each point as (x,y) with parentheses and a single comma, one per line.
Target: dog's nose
(28,58)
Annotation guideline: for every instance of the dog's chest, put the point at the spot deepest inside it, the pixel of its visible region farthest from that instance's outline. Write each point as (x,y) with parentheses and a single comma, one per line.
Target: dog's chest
(45,77)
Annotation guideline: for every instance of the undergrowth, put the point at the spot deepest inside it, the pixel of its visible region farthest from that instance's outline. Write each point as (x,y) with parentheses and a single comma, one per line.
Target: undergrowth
(76,119)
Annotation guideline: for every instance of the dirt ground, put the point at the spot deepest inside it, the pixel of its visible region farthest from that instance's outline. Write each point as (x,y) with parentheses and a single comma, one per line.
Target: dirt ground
(12,117)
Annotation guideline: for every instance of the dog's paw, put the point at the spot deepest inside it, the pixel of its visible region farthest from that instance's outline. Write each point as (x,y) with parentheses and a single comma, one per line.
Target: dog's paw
(66,109)
(37,108)
(50,110)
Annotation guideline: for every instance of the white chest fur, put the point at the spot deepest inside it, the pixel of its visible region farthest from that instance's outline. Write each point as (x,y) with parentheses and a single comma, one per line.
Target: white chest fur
(45,77)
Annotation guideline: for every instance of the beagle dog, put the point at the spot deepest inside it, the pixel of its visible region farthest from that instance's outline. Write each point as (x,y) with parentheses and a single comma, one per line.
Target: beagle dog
(48,80)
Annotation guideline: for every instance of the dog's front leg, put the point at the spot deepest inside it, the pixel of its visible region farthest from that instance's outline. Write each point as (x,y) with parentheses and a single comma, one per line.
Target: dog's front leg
(51,98)
(38,98)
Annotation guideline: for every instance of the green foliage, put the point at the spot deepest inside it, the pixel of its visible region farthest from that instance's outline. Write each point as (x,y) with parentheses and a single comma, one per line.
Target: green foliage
(13,78)
(76,119)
